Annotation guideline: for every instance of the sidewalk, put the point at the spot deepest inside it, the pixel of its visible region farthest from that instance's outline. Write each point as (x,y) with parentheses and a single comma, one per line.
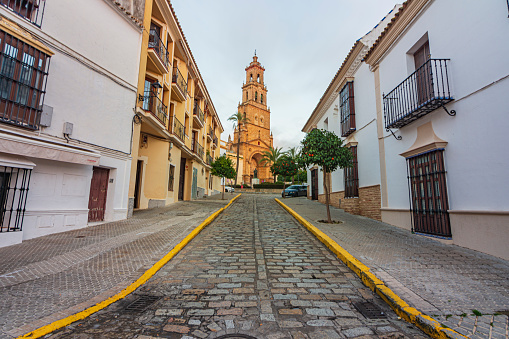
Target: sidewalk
(48,278)
(465,290)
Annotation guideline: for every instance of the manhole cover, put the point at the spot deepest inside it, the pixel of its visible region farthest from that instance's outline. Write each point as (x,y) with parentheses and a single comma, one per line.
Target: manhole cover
(236,336)
(369,310)
(181,214)
(142,303)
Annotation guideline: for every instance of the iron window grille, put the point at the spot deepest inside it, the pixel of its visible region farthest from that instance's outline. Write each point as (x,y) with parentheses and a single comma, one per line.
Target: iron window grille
(428,193)
(352,177)
(178,129)
(422,92)
(14,184)
(23,75)
(30,10)
(347,109)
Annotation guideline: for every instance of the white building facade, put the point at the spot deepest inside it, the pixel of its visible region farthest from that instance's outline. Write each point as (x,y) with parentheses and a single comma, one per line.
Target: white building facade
(442,79)
(347,108)
(68,90)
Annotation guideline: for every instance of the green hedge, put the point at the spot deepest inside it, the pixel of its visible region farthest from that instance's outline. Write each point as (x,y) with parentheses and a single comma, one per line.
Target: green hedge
(269,185)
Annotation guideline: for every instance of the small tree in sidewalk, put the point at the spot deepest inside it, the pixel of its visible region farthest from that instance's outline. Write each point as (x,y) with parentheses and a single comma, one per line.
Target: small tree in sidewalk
(223,167)
(325,150)
(284,166)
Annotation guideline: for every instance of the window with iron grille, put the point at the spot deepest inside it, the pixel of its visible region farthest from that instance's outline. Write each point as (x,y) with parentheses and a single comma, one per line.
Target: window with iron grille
(31,10)
(428,193)
(347,109)
(14,184)
(352,177)
(23,74)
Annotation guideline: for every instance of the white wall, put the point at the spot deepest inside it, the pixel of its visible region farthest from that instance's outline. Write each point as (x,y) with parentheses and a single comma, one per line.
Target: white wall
(95,30)
(473,35)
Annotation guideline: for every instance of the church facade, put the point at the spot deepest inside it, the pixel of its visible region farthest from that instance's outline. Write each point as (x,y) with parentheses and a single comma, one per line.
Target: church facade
(255,134)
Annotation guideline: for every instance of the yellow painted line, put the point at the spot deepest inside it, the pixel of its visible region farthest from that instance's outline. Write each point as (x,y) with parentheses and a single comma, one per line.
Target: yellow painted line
(429,325)
(129,289)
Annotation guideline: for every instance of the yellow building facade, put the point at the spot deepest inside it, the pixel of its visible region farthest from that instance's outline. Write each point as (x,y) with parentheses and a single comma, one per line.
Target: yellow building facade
(176,128)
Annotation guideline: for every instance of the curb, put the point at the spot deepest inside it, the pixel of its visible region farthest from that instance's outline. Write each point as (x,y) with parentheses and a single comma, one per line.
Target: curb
(129,289)
(427,324)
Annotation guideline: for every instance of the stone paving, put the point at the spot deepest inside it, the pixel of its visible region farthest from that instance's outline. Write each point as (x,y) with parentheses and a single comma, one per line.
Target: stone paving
(253,273)
(48,278)
(463,289)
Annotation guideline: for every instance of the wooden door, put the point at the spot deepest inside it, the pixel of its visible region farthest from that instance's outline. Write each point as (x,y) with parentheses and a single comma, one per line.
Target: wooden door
(137,184)
(314,184)
(194,186)
(423,76)
(182,178)
(98,192)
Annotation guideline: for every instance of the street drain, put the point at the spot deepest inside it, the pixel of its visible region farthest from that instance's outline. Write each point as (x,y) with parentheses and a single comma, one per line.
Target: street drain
(369,310)
(236,336)
(182,214)
(80,236)
(142,303)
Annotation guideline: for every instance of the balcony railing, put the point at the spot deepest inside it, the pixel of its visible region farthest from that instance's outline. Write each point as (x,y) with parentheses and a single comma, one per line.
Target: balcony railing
(155,106)
(31,10)
(199,113)
(155,42)
(210,159)
(178,79)
(210,134)
(198,149)
(422,92)
(178,129)
(214,141)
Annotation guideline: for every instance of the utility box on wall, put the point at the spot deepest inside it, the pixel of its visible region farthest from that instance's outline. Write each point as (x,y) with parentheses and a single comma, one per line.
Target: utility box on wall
(46,116)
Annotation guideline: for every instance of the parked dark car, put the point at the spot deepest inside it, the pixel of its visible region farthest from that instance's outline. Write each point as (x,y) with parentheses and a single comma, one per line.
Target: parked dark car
(295,191)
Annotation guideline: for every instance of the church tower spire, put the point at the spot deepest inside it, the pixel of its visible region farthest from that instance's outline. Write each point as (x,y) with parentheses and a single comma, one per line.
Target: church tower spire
(255,135)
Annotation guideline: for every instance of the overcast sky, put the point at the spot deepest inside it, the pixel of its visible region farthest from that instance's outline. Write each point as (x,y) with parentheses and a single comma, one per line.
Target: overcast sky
(301,45)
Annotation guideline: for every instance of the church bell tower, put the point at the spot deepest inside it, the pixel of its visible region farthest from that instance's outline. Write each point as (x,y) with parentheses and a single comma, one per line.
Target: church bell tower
(255,135)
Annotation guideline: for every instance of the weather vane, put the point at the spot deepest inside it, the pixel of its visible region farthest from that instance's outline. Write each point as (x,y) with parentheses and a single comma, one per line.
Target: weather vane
(255,52)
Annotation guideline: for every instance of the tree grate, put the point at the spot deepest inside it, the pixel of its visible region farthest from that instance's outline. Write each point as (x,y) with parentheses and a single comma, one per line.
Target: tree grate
(369,310)
(142,303)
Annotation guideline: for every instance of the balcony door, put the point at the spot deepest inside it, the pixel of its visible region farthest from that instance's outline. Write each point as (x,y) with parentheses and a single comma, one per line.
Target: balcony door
(423,75)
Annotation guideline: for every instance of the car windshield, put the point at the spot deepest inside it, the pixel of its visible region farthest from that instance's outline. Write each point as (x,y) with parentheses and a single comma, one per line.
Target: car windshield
(293,187)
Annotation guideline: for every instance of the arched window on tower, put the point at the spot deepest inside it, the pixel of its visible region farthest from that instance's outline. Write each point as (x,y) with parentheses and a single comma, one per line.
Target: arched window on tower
(258,78)
(261,98)
(251,77)
(247,96)
(256,96)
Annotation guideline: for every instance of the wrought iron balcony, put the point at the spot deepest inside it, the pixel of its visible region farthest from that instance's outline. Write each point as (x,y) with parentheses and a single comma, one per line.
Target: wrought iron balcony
(179,81)
(422,92)
(214,141)
(155,106)
(210,159)
(210,134)
(178,129)
(31,10)
(155,43)
(198,114)
(197,149)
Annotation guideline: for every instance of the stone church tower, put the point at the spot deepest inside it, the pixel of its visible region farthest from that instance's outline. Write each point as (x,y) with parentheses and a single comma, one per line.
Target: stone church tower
(255,135)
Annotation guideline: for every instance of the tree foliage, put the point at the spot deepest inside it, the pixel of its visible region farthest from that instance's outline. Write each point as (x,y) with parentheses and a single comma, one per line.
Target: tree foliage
(238,119)
(325,149)
(270,157)
(223,167)
(284,166)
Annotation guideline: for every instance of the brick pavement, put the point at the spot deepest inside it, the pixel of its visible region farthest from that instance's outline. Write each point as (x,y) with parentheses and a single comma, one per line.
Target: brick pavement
(253,271)
(447,282)
(48,278)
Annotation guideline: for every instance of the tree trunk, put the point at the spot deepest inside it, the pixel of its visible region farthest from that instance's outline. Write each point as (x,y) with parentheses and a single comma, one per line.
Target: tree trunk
(284,196)
(222,195)
(238,151)
(326,190)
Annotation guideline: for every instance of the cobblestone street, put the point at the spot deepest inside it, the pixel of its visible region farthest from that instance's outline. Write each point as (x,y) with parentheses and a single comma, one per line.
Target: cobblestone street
(254,271)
